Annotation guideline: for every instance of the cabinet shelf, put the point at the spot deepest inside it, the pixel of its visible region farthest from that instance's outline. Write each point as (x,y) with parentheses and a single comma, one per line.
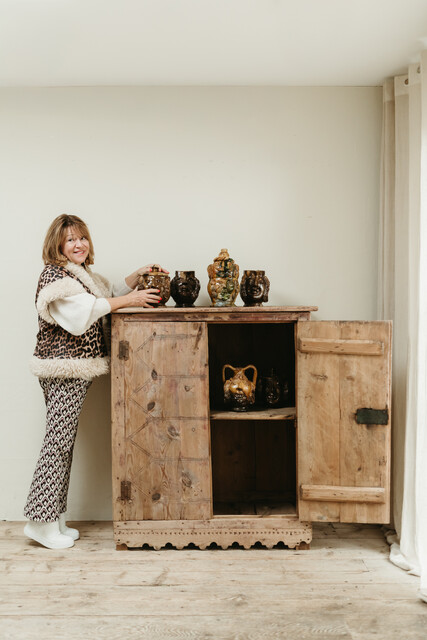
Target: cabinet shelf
(283,413)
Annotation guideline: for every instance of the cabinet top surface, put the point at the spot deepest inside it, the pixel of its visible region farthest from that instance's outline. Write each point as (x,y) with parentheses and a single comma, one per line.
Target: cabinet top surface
(236,309)
(214,314)
(215,310)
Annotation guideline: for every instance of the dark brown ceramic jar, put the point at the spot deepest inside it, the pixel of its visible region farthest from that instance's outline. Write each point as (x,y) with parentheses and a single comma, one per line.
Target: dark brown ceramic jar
(254,288)
(185,288)
(156,279)
(269,390)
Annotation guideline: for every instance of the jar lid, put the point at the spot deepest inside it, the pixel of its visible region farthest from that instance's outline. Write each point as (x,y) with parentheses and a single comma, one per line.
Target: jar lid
(223,255)
(155,271)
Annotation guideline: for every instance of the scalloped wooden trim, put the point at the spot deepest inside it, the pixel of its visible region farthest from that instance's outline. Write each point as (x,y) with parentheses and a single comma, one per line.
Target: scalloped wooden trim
(223,532)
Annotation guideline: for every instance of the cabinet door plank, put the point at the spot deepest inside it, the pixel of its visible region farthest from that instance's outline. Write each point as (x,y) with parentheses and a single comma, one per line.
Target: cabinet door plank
(318,423)
(118,441)
(337,456)
(327,493)
(365,448)
(349,347)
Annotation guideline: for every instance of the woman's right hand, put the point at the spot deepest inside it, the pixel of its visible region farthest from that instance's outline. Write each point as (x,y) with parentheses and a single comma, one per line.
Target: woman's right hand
(142,298)
(136,298)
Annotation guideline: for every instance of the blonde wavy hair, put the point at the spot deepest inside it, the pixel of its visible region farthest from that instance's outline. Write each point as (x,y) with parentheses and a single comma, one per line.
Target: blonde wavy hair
(55,236)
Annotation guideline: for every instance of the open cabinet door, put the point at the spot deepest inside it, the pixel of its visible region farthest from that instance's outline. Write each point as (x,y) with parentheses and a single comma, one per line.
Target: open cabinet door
(343,409)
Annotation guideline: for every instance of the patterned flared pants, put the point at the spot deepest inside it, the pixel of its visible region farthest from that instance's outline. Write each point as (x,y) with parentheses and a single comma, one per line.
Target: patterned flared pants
(47,497)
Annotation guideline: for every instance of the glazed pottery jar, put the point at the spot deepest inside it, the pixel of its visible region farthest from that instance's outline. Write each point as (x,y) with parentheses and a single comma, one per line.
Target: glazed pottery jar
(223,285)
(254,288)
(269,390)
(239,390)
(185,288)
(285,394)
(156,279)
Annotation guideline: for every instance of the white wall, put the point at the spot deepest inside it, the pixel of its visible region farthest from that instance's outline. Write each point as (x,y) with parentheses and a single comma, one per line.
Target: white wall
(286,178)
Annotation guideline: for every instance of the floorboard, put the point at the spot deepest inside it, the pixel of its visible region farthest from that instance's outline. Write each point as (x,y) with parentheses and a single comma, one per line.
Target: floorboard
(343,587)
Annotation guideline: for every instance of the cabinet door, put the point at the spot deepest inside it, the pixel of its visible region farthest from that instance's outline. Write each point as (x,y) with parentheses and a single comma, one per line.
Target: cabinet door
(163,445)
(343,411)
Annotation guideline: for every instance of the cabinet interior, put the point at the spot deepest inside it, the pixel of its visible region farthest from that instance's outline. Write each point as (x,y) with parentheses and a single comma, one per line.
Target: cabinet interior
(253,455)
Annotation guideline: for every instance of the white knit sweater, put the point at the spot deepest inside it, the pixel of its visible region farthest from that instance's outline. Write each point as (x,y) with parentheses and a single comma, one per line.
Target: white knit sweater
(77,313)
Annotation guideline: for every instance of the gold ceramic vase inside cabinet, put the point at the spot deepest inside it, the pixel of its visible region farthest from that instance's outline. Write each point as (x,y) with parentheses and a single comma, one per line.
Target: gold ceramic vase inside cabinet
(223,286)
(156,279)
(239,391)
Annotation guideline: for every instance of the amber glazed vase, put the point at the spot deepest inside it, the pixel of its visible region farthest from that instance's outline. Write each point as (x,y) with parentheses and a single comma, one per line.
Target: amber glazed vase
(239,390)
(156,279)
(223,286)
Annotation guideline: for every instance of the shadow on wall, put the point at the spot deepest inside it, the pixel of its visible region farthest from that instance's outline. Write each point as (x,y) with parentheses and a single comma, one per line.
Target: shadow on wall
(90,488)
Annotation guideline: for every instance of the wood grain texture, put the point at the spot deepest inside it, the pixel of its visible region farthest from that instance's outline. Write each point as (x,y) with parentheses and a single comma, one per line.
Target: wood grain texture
(118,439)
(253,465)
(327,493)
(345,347)
(230,315)
(184,469)
(344,587)
(224,532)
(166,421)
(318,429)
(282,413)
(216,311)
(366,449)
(334,449)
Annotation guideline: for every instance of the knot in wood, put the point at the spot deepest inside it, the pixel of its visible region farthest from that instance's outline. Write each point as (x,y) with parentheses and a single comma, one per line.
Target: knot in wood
(173,432)
(186,480)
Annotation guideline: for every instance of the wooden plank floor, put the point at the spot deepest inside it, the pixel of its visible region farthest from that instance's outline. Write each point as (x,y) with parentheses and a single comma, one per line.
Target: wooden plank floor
(344,587)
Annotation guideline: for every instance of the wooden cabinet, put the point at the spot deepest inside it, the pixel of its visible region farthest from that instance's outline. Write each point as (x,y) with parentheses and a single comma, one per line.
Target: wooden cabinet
(185,470)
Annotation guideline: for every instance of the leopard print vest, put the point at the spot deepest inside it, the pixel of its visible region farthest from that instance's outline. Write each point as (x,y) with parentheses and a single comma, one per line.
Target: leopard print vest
(58,353)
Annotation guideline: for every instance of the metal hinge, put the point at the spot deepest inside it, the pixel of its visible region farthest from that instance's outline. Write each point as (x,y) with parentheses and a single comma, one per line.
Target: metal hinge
(123,350)
(126,491)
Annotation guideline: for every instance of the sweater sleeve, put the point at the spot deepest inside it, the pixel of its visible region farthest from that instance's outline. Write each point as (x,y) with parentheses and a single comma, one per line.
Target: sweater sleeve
(77,313)
(121,289)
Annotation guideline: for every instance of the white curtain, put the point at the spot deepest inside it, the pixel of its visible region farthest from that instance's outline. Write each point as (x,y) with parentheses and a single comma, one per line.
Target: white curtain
(403,298)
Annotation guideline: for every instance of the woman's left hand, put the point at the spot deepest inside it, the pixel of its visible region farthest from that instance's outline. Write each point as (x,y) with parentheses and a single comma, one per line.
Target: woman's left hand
(132,280)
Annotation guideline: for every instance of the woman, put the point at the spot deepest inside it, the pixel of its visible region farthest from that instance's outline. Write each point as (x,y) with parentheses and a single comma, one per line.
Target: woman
(71,350)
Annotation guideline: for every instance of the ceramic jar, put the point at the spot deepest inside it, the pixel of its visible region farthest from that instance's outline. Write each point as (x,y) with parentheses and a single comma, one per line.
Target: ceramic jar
(285,394)
(239,390)
(254,288)
(156,279)
(185,288)
(269,390)
(223,285)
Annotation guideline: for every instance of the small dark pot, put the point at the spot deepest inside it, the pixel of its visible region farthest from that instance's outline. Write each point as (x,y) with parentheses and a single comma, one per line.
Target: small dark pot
(254,288)
(285,394)
(269,390)
(156,279)
(185,288)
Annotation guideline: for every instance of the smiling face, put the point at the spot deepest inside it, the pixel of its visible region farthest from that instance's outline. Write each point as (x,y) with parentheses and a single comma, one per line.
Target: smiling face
(256,287)
(75,246)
